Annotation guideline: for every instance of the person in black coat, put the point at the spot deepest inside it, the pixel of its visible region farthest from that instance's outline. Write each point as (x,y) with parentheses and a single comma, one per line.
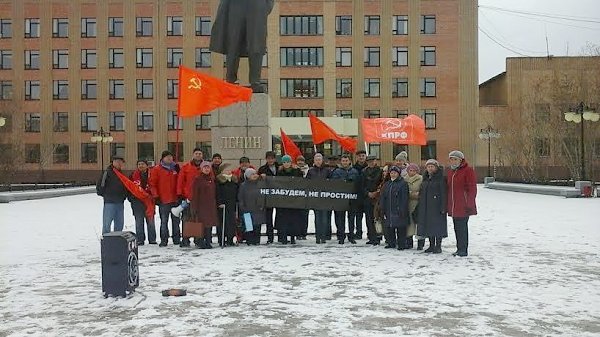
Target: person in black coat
(322,217)
(269,169)
(112,190)
(359,204)
(432,207)
(288,221)
(372,176)
(394,207)
(227,192)
(251,203)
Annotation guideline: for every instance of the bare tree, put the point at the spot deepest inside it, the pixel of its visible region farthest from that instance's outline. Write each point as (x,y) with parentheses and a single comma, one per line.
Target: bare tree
(11,146)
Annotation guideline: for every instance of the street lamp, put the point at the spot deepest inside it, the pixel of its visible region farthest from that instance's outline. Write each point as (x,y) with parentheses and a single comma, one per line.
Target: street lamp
(487,134)
(101,137)
(2,121)
(577,115)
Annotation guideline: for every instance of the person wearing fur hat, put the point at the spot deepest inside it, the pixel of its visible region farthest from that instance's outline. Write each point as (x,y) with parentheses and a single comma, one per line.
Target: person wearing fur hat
(288,221)
(252,203)
(414,180)
(394,207)
(401,161)
(432,207)
(227,191)
(203,205)
(462,191)
(163,185)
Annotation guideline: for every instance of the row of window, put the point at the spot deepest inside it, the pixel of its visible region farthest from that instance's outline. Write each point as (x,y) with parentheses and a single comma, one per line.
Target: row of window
(288,25)
(565,147)
(313,88)
(428,115)
(289,57)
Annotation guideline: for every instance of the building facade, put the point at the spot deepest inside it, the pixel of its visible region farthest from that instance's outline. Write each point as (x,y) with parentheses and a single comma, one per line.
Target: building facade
(71,67)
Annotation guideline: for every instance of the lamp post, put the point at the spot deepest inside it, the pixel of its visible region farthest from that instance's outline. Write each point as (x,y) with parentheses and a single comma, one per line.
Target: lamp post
(487,134)
(576,115)
(101,137)
(2,121)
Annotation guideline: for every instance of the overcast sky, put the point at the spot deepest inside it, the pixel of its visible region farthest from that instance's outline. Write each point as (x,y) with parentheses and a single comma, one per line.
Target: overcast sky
(526,34)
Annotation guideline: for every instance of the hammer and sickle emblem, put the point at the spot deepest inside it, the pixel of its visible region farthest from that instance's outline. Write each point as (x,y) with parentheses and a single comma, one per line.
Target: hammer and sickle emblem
(195,83)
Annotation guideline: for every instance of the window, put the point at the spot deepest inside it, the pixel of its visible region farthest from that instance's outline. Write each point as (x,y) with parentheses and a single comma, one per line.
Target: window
(144,57)
(117,149)
(5,28)
(60,122)
(372,25)
(343,25)
(344,113)
(5,90)
(89,153)
(115,58)
(203,26)
(302,57)
(174,26)
(206,148)
(429,116)
(301,25)
(32,153)
(372,87)
(115,27)
(375,149)
(427,56)
(542,147)
(88,27)
(400,113)
(371,56)
(399,87)
(400,25)
(202,58)
(427,87)
(32,59)
(301,112)
(88,89)
(89,121)
(144,88)
(597,148)
(343,57)
(343,88)
(542,112)
(60,59)
(397,148)
(203,122)
(429,151)
(32,90)
(372,114)
(61,154)
(5,59)
(116,89)
(32,122)
(172,147)
(172,122)
(143,26)
(60,27)
(172,89)
(145,121)
(145,151)
(174,57)
(60,89)
(88,59)
(399,56)
(116,120)
(32,28)
(302,87)
(427,24)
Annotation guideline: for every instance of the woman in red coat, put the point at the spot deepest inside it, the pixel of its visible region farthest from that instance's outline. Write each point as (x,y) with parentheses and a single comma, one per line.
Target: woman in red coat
(462,190)
(203,206)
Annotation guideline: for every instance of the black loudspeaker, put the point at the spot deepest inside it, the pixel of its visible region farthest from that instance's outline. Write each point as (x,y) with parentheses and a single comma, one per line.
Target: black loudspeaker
(120,273)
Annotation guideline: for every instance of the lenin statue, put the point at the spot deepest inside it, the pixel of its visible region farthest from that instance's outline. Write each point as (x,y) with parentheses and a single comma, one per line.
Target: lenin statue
(240,30)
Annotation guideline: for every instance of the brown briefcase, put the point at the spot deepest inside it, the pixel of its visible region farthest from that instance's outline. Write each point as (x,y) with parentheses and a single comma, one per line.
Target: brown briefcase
(193,229)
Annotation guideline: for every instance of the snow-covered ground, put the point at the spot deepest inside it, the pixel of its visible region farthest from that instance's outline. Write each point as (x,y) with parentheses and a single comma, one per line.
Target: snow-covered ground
(533,270)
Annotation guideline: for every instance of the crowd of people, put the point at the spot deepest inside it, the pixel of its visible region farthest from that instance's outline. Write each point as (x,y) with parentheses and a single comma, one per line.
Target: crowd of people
(400,202)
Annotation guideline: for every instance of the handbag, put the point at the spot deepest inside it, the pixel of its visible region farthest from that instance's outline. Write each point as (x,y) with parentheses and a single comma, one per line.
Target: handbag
(192,229)
(379,227)
(249,227)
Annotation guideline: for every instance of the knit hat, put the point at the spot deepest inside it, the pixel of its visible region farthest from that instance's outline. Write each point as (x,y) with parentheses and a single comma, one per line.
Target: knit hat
(205,163)
(369,158)
(413,166)
(396,169)
(165,153)
(248,172)
(432,162)
(286,159)
(300,158)
(402,156)
(318,155)
(457,154)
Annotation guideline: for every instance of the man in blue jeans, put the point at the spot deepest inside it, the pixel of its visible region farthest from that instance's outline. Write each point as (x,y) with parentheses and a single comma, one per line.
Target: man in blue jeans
(112,190)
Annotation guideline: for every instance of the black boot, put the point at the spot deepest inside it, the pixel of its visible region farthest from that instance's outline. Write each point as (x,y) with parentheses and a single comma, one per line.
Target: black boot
(431,245)
(207,244)
(163,243)
(293,240)
(438,246)
(409,243)
(184,243)
(420,244)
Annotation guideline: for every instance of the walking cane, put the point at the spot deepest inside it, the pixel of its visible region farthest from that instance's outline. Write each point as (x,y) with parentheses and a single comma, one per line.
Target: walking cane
(223,230)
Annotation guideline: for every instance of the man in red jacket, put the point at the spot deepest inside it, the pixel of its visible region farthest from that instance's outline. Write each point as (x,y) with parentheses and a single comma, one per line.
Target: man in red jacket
(163,185)
(141,177)
(189,172)
(462,190)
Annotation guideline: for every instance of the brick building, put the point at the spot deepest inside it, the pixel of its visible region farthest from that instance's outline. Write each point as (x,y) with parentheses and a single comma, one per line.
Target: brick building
(70,67)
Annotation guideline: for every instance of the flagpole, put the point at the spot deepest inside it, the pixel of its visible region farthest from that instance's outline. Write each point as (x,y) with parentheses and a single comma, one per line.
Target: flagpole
(178,113)
(367,148)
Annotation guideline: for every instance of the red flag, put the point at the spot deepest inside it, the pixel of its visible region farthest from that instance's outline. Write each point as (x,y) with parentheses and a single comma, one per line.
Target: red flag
(409,130)
(137,192)
(289,147)
(200,94)
(322,132)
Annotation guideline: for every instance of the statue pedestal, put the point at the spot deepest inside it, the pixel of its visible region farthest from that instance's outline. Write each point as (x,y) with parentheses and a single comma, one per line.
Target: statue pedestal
(243,129)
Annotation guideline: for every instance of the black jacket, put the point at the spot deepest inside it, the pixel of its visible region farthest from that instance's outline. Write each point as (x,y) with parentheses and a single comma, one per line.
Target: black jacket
(267,171)
(110,187)
(315,172)
(432,205)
